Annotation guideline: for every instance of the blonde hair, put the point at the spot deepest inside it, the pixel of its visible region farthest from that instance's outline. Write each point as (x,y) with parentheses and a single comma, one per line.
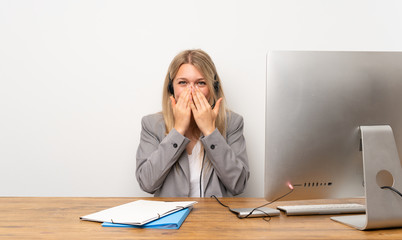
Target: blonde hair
(203,62)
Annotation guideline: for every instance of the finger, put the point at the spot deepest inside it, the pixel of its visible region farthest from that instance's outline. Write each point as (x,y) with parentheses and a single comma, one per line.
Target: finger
(193,108)
(217,105)
(173,101)
(183,99)
(196,101)
(188,98)
(202,101)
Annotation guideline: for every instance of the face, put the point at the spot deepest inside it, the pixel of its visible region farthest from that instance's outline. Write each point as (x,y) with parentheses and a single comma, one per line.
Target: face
(187,76)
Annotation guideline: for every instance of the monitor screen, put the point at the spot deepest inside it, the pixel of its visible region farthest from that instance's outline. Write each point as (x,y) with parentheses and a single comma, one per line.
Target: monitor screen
(316,102)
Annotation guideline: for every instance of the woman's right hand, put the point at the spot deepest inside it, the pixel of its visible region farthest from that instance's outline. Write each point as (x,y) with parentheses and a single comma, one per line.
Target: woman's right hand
(182,111)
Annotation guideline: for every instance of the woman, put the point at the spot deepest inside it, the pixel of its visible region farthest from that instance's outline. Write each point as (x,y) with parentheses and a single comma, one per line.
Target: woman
(195,147)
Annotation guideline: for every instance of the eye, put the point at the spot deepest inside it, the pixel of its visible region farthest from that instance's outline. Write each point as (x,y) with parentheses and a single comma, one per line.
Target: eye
(182,82)
(202,83)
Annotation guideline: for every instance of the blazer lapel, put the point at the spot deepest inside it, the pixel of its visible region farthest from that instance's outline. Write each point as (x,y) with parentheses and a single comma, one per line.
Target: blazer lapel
(207,172)
(183,163)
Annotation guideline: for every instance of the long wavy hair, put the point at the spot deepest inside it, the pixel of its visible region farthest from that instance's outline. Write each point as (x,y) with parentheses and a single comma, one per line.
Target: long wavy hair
(203,62)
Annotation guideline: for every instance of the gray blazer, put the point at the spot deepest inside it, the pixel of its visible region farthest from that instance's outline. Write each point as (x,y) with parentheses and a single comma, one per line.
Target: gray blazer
(163,167)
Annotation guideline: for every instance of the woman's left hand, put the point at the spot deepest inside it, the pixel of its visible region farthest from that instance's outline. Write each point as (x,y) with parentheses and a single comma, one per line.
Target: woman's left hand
(204,115)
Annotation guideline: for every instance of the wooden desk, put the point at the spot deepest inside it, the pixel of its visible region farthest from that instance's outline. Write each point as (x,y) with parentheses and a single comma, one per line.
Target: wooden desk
(58,218)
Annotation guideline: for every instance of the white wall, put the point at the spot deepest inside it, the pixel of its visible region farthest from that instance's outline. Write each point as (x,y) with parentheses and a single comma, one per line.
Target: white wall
(76,77)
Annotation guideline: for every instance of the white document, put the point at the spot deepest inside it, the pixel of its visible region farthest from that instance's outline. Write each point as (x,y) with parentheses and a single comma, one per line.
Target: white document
(138,212)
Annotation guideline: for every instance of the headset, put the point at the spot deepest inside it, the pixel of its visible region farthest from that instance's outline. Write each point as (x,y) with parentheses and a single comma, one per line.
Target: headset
(216,88)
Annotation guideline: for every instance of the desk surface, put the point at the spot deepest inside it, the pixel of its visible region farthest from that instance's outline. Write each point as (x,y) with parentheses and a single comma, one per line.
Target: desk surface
(58,218)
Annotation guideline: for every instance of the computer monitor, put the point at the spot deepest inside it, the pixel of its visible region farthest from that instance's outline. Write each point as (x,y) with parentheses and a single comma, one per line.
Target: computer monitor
(316,103)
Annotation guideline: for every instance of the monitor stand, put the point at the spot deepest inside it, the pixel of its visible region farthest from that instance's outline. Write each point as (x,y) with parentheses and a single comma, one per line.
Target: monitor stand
(381,167)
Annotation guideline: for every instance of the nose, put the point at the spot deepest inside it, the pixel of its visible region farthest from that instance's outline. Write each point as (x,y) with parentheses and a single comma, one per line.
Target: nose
(191,85)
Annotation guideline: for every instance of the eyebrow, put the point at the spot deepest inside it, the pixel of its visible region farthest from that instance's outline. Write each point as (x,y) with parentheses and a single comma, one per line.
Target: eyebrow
(183,78)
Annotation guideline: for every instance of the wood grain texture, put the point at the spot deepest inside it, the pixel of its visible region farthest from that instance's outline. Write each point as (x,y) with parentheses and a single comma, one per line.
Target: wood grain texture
(58,218)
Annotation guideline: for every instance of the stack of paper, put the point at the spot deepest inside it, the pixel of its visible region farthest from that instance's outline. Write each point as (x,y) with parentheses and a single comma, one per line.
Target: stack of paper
(171,221)
(141,212)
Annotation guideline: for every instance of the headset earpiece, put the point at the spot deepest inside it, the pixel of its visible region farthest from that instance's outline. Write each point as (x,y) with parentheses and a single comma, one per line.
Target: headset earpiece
(216,87)
(170,86)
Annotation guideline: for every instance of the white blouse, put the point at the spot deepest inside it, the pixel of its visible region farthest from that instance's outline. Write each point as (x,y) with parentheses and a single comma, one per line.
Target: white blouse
(195,163)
